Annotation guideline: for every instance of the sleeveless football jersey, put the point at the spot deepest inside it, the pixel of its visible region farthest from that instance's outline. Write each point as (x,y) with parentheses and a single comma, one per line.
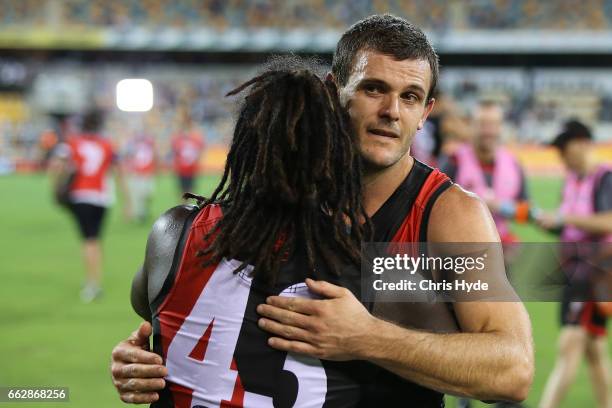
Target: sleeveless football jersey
(205,327)
(205,323)
(404,217)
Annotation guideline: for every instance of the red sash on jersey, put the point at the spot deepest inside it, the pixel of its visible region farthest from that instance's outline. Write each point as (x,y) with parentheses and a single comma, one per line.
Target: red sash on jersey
(412,229)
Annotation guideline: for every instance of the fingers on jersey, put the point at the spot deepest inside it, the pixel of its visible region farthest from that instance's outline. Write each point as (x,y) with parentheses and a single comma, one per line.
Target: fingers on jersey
(139,385)
(282,315)
(294,347)
(140,337)
(129,371)
(139,398)
(288,332)
(129,353)
(294,304)
(326,289)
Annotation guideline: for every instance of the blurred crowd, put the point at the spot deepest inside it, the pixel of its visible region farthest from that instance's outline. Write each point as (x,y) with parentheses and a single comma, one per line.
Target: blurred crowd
(27,141)
(533,103)
(531,114)
(436,15)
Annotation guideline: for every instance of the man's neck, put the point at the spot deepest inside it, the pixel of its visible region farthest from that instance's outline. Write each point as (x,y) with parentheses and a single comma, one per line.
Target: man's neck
(379,184)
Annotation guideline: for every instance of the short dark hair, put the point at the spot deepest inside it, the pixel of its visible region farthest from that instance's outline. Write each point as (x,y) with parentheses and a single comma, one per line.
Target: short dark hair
(572,130)
(386,34)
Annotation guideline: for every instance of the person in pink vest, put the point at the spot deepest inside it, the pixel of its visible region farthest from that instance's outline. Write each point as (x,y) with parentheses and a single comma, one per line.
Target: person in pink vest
(446,126)
(585,216)
(489,170)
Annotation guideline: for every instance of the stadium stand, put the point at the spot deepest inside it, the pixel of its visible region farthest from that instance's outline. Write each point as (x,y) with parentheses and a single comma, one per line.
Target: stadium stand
(439,16)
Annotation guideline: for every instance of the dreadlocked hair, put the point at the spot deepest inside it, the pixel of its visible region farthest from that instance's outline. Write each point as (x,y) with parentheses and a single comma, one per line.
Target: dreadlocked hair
(292,177)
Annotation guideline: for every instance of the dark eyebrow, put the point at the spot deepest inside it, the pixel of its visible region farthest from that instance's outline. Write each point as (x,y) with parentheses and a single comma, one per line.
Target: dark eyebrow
(374,81)
(415,89)
(385,86)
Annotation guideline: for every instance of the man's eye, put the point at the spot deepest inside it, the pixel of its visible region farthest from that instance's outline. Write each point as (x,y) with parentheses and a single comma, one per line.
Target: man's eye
(372,89)
(410,98)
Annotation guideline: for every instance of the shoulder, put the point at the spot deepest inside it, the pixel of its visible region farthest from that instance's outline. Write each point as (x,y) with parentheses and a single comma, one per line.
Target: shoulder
(461,216)
(169,226)
(162,244)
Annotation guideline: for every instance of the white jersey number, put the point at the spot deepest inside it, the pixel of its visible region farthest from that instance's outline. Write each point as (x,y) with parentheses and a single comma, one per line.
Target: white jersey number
(213,379)
(93,157)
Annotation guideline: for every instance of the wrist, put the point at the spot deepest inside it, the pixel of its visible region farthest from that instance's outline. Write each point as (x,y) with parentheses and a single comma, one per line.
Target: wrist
(366,344)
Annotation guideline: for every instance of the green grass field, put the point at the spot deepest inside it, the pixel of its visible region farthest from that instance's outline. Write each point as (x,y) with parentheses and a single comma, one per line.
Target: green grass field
(49,338)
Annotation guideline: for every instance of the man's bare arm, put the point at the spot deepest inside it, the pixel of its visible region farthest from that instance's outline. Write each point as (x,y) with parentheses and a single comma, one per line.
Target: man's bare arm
(159,255)
(492,359)
(137,373)
(139,296)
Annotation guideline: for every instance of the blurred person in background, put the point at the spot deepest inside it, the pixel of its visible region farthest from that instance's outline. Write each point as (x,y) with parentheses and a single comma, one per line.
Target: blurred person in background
(585,216)
(47,143)
(444,128)
(484,166)
(85,160)
(187,146)
(139,161)
(488,169)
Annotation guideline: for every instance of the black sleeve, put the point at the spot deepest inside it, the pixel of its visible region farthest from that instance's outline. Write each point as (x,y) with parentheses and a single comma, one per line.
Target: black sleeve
(448,166)
(603,193)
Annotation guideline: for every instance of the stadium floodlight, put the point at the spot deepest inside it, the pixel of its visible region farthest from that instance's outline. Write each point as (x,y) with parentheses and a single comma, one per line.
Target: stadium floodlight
(135,95)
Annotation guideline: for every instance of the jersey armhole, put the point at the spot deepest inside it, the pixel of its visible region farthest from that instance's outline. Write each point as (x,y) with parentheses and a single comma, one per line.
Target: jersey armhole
(428,207)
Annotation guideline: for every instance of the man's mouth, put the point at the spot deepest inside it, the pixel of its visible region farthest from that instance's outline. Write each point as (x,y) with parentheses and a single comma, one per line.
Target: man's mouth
(384,132)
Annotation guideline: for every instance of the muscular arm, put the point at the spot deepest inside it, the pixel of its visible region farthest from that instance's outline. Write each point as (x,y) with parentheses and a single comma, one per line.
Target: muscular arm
(138,374)
(492,359)
(159,255)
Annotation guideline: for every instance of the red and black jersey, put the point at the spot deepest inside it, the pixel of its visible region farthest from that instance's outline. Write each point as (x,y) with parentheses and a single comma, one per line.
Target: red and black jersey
(205,323)
(91,157)
(404,217)
(205,328)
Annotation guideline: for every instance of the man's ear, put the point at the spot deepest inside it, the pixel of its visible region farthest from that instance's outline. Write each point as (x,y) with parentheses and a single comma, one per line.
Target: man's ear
(330,77)
(426,112)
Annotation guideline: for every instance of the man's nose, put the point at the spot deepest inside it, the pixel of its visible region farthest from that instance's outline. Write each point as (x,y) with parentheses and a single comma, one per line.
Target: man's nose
(390,107)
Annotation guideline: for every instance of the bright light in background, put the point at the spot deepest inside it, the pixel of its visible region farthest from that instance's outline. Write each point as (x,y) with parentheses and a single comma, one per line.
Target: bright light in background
(134,95)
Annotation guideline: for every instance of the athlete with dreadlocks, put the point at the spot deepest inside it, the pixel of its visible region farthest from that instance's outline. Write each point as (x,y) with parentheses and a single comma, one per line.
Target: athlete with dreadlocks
(287,208)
